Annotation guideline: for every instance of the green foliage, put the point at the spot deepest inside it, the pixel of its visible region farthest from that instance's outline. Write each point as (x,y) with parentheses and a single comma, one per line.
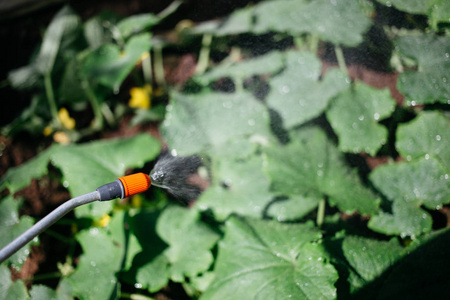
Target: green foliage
(311,166)
(298,94)
(295,207)
(11,289)
(269,260)
(85,167)
(432,55)
(11,227)
(355,115)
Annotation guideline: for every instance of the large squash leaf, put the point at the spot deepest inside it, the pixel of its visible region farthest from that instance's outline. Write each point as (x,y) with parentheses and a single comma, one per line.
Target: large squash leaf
(312,166)
(298,94)
(269,260)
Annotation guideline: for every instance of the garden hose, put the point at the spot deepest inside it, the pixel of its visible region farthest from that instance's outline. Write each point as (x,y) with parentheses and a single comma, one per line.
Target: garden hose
(122,187)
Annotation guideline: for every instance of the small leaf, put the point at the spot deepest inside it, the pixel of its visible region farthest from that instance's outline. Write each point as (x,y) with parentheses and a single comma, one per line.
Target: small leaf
(205,122)
(136,24)
(64,23)
(110,66)
(422,182)
(269,260)
(311,166)
(11,289)
(238,187)
(42,292)
(427,135)
(405,220)
(11,226)
(292,208)
(298,94)
(265,64)
(354,116)
(430,83)
(370,258)
(189,239)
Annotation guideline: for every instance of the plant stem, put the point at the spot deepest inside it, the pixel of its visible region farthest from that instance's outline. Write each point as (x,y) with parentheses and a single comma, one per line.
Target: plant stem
(314,44)
(98,117)
(299,43)
(340,59)
(51,97)
(320,213)
(159,65)
(147,68)
(135,296)
(51,275)
(203,57)
(58,236)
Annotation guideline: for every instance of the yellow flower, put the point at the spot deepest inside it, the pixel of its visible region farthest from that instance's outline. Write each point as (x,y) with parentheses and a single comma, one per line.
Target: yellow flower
(65,119)
(140,97)
(144,56)
(136,201)
(103,222)
(47,131)
(74,228)
(61,137)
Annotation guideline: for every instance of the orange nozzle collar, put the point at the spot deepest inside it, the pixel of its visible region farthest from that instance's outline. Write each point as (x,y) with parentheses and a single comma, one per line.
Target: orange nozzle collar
(135,184)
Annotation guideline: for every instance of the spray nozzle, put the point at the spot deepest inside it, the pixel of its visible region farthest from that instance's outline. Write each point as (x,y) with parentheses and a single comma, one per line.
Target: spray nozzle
(125,186)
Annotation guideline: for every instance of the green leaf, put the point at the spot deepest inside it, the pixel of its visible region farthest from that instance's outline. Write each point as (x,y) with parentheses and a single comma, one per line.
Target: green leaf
(293,208)
(94,277)
(411,6)
(421,182)
(270,260)
(19,177)
(63,24)
(208,121)
(24,78)
(298,94)
(265,64)
(238,187)
(311,166)
(430,83)
(427,135)
(354,117)
(11,289)
(87,166)
(42,292)
(136,24)
(11,226)
(370,258)
(189,239)
(437,10)
(423,274)
(405,220)
(440,11)
(339,22)
(96,29)
(110,66)
(150,267)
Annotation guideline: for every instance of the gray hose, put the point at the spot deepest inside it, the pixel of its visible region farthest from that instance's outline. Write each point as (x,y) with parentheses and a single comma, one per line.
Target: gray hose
(44,223)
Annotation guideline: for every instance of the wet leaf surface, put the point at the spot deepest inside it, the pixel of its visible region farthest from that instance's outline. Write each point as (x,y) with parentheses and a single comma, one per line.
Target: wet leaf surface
(268,260)
(354,116)
(298,94)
